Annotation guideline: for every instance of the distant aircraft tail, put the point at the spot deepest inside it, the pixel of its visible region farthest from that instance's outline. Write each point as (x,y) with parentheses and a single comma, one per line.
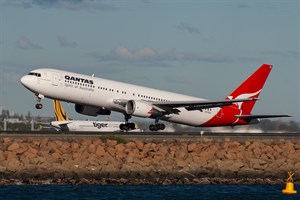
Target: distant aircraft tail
(60,114)
(251,88)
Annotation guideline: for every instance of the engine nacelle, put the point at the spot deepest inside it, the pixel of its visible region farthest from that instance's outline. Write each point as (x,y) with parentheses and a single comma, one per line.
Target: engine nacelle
(139,108)
(91,110)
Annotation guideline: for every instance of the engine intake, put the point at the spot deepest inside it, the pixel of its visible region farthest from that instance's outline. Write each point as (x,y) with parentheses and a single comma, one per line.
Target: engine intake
(91,110)
(139,108)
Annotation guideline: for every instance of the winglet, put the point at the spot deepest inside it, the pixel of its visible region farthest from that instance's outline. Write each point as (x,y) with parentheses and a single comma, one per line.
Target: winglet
(251,87)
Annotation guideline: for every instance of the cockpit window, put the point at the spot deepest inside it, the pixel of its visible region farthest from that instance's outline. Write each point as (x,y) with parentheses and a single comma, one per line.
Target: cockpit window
(35,74)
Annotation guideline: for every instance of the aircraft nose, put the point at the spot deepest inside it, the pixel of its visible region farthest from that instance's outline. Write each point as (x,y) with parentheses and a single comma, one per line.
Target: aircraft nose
(24,80)
(28,81)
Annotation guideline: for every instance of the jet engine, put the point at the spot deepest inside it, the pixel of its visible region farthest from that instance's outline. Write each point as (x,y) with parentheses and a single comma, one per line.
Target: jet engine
(91,110)
(139,108)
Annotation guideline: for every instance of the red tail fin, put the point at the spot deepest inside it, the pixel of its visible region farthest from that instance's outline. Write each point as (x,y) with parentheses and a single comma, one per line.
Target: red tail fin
(251,87)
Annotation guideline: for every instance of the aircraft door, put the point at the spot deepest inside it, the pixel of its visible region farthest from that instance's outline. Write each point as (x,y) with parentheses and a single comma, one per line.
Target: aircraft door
(55,79)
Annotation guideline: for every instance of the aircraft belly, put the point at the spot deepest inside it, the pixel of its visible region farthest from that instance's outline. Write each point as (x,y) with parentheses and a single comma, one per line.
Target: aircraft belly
(193,118)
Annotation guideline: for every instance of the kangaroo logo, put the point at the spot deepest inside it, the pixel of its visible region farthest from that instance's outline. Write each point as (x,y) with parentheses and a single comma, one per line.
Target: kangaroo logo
(242,96)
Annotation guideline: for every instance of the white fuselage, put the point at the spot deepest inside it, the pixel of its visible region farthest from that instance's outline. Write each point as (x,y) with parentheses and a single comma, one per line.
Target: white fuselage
(98,92)
(87,126)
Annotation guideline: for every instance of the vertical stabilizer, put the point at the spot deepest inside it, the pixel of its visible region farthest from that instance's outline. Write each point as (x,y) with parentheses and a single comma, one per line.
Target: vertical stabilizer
(60,114)
(251,88)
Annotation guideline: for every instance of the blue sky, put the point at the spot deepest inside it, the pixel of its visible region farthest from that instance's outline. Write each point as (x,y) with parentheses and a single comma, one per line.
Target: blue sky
(200,48)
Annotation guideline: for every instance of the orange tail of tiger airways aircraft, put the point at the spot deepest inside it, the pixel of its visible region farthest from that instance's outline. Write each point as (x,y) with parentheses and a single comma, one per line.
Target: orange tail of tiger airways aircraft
(59,111)
(97,96)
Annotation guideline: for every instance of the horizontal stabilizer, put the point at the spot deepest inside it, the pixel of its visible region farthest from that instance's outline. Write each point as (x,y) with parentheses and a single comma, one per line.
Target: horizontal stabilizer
(250,117)
(60,123)
(65,123)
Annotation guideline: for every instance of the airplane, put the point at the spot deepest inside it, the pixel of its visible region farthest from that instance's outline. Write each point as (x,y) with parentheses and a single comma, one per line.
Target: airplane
(97,96)
(63,123)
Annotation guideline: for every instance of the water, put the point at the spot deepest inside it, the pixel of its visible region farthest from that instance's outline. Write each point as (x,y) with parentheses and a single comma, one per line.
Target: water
(145,192)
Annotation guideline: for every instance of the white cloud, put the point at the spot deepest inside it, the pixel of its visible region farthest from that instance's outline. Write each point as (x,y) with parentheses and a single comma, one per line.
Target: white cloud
(286,54)
(25,43)
(62,4)
(147,54)
(186,27)
(63,42)
(123,52)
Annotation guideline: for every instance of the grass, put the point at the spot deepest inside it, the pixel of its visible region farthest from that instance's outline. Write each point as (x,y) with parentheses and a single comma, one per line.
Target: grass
(113,137)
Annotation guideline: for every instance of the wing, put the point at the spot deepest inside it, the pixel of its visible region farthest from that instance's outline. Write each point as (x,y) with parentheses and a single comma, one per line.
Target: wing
(169,107)
(198,105)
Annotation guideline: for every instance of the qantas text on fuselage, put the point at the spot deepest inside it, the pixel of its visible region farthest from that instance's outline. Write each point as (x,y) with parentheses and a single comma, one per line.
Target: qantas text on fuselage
(97,96)
(77,79)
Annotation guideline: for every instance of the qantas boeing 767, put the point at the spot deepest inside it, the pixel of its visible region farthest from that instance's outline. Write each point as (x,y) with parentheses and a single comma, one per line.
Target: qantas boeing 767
(96,96)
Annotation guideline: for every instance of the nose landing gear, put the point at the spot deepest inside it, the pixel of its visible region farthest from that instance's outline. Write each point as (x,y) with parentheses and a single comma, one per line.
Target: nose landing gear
(38,106)
(39,97)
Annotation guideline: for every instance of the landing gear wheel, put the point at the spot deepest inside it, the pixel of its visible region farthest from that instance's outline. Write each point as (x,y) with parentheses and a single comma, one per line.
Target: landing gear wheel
(127,126)
(156,127)
(152,127)
(131,126)
(161,126)
(122,127)
(39,97)
(38,106)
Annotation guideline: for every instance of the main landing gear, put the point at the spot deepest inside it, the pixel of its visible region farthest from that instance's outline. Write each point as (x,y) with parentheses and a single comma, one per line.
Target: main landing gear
(39,97)
(131,126)
(157,126)
(127,126)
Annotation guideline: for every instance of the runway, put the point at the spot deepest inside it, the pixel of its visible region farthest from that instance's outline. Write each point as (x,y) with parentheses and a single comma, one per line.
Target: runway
(155,135)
